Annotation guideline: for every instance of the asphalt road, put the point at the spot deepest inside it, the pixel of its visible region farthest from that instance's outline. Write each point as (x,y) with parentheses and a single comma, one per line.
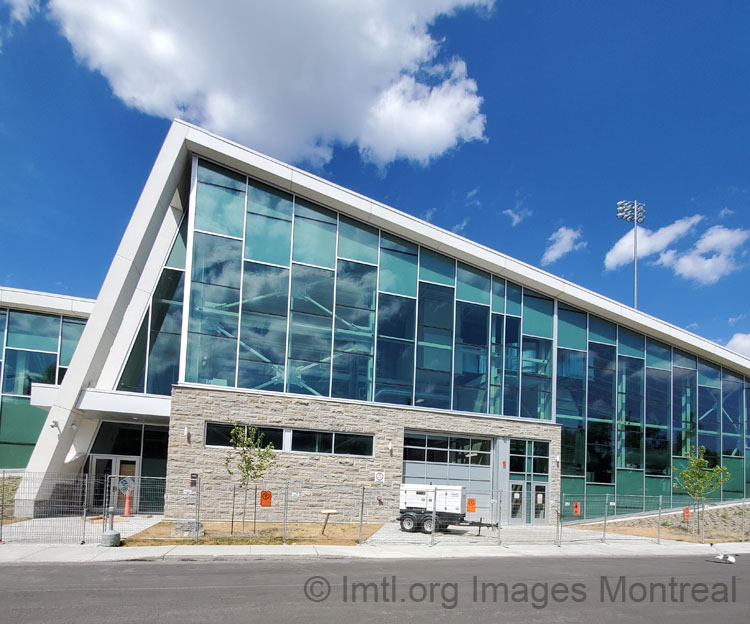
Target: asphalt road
(663,590)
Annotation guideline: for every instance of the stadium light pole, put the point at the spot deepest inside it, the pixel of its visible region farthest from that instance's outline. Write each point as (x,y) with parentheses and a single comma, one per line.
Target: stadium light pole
(635,212)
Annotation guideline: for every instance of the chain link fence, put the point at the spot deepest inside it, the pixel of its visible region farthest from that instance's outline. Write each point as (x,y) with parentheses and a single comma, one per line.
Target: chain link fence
(57,508)
(607,517)
(65,508)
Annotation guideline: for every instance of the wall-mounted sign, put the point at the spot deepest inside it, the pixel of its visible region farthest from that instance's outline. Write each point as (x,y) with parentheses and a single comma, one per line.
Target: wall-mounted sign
(265,498)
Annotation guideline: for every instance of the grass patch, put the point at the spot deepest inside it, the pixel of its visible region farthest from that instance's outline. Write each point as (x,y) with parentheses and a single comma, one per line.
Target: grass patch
(219,534)
(8,496)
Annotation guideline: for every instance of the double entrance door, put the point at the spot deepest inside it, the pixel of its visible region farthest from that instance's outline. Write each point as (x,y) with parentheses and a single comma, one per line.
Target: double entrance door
(528,503)
(106,489)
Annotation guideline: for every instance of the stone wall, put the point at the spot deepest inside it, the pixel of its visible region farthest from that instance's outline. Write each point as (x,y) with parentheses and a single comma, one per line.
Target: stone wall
(317,481)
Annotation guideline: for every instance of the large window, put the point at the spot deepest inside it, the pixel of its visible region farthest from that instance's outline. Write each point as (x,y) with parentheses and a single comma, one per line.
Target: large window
(600,406)
(300,440)
(354,333)
(434,346)
(470,383)
(394,376)
(436,448)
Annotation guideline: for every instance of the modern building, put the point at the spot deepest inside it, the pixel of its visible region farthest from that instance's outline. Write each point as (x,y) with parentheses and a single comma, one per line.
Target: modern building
(361,340)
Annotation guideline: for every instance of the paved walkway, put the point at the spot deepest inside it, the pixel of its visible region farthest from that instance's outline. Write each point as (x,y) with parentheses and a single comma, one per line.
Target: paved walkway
(73,530)
(42,553)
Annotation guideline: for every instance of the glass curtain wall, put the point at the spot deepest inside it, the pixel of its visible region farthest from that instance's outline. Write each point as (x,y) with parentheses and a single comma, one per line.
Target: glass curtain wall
(289,296)
(34,348)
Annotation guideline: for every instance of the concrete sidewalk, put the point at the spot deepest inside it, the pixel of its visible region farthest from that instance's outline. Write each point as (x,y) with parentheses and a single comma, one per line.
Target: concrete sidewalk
(45,553)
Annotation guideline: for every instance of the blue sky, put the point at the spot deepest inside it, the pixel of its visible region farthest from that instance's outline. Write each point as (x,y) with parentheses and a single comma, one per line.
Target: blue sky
(516,124)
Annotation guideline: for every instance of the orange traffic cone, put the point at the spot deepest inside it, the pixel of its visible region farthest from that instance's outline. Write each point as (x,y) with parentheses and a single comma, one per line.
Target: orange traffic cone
(127,503)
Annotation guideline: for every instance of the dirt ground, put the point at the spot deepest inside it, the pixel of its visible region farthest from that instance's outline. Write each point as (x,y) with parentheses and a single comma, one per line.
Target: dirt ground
(722,524)
(340,534)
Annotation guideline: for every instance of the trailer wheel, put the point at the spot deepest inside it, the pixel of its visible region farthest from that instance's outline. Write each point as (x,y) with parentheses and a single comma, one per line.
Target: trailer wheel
(408,523)
(427,524)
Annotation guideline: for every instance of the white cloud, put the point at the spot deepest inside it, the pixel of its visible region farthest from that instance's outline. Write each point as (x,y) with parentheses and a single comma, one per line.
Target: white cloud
(22,10)
(429,213)
(692,326)
(461,226)
(518,213)
(732,320)
(725,212)
(293,79)
(740,343)
(562,242)
(472,198)
(648,242)
(712,257)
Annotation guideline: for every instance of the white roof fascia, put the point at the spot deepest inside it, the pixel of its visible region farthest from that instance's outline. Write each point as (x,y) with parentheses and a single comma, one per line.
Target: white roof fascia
(47,303)
(380,215)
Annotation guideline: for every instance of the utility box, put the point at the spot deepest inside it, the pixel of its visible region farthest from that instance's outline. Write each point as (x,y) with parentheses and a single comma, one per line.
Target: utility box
(416,502)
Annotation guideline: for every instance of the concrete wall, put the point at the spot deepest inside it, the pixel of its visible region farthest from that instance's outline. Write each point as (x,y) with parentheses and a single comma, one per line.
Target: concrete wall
(318,481)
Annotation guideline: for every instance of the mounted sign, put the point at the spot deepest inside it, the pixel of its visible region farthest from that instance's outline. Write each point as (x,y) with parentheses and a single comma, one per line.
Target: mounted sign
(126,485)
(379,477)
(471,505)
(576,509)
(265,498)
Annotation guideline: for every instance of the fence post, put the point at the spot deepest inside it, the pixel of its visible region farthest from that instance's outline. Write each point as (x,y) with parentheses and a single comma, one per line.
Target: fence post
(255,508)
(85,503)
(286,507)
(606,513)
(234,494)
(499,516)
(658,523)
(703,522)
(104,503)
(361,513)
(197,509)
(743,522)
(434,508)
(244,509)
(560,512)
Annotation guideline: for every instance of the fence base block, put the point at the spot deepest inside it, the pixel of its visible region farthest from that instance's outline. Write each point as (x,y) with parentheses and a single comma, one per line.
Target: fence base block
(186,528)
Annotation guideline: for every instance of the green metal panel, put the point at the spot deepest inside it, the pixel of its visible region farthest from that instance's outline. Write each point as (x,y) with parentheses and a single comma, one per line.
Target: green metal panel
(572,486)
(15,455)
(20,421)
(596,499)
(736,478)
(629,483)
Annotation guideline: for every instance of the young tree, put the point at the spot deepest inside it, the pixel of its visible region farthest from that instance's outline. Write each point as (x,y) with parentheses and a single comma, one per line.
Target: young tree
(697,479)
(252,456)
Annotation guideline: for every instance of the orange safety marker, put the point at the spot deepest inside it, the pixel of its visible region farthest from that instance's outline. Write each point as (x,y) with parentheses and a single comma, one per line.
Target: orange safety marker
(686,513)
(576,509)
(471,505)
(265,498)
(127,503)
